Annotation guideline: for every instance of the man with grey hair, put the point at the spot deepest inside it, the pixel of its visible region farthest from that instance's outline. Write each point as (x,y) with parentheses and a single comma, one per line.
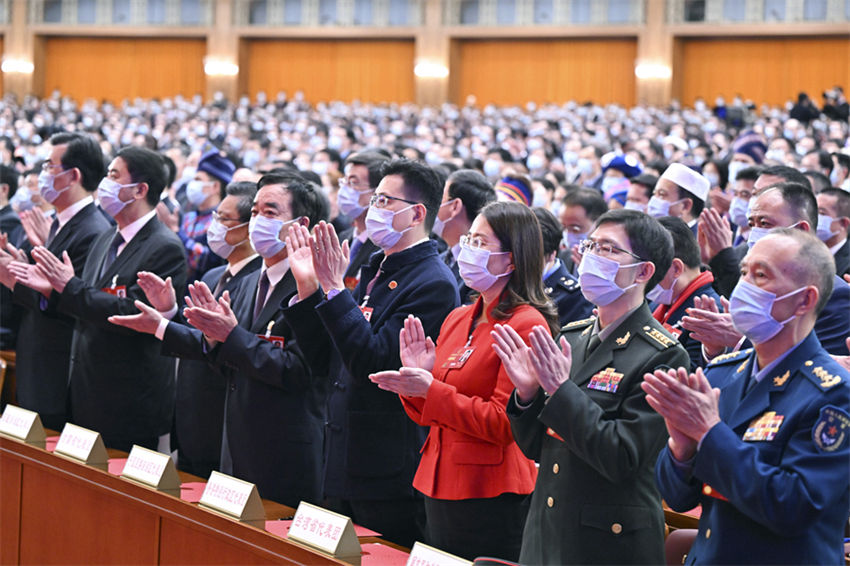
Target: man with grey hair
(762,439)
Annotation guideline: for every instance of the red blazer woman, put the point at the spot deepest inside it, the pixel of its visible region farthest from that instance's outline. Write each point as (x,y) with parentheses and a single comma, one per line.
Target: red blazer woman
(470,451)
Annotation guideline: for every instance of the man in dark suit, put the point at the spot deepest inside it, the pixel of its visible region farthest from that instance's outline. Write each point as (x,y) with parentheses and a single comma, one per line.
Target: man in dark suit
(784,205)
(119,384)
(761,440)
(561,287)
(580,412)
(466,192)
(274,409)
(674,294)
(69,178)
(372,448)
(201,386)
(834,226)
(10,227)
(362,175)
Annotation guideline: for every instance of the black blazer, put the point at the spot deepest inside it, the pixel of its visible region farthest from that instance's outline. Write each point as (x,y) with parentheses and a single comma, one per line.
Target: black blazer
(274,409)
(199,407)
(44,336)
(842,259)
(120,385)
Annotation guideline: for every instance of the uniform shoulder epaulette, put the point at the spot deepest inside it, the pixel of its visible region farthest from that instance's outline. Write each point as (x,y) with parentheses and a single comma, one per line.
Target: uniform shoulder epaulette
(658,337)
(578,324)
(730,357)
(825,378)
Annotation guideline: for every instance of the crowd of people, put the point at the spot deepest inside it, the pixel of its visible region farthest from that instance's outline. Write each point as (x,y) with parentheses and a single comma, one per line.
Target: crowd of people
(505,332)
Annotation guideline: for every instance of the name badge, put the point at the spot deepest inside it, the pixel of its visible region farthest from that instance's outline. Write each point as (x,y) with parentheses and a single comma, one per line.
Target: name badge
(153,469)
(554,434)
(23,425)
(424,555)
(324,530)
(351,282)
(672,330)
(120,291)
(764,428)
(606,380)
(235,498)
(367,313)
(275,340)
(459,357)
(83,445)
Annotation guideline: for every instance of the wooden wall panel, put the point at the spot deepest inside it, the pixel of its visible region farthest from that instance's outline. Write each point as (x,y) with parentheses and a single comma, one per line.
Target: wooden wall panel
(118,68)
(765,70)
(546,70)
(365,70)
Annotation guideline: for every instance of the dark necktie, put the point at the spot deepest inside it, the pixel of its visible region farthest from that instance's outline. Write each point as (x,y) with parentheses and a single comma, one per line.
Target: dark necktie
(592,344)
(262,291)
(356,244)
(222,281)
(54,227)
(112,252)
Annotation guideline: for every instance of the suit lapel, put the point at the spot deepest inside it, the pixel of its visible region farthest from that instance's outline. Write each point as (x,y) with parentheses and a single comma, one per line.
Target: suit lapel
(130,250)
(98,255)
(62,237)
(283,289)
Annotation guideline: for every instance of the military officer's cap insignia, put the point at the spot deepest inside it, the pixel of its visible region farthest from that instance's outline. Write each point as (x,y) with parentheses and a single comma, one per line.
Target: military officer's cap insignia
(763,428)
(830,431)
(827,380)
(623,340)
(659,336)
(779,381)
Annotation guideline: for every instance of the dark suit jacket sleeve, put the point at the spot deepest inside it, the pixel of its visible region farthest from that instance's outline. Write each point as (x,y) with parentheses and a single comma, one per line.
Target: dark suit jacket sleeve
(85,302)
(184,342)
(613,447)
(310,333)
(527,429)
(285,368)
(680,491)
(833,323)
(726,267)
(364,351)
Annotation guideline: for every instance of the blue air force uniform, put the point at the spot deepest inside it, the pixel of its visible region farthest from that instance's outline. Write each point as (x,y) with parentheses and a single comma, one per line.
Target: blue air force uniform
(773,477)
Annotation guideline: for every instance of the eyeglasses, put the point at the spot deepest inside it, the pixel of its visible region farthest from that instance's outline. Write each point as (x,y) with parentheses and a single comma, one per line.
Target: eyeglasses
(47,166)
(598,248)
(359,187)
(382,200)
(219,218)
(476,243)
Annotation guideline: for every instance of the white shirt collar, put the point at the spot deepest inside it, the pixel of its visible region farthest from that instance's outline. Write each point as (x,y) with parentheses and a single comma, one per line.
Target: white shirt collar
(66,215)
(238,266)
(276,272)
(837,246)
(130,230)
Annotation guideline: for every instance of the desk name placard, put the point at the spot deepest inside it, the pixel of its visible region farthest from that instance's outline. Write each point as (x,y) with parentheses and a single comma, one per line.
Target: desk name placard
(22,424)
(326,531)
(424,555)
(82,445)
(153,469)
(235,498)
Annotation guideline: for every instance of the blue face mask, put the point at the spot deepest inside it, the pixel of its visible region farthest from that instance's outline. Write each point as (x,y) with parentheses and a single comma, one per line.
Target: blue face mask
(751,307)
(573,239)
(265,235)
(756,234)
(738,211)
(824,231)
(45,186)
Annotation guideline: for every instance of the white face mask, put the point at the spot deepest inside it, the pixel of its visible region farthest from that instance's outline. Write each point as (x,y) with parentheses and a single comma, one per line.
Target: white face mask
(634,205)
(440,225)
(472,266)
(596,276)
(195,192)
(265,235)
(108,194)
(45,186)
(658,207)
(824,231)
(379,226)
(660,295)
(751,309)
(216,234)
(738,211)
(348,200)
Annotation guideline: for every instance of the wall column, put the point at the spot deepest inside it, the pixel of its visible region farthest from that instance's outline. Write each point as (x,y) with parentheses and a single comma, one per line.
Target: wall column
(222,52)
(655,55)
(19,45)
(432,48)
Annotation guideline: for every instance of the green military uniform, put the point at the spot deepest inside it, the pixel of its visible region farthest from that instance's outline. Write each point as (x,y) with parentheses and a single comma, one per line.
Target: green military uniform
(597,440)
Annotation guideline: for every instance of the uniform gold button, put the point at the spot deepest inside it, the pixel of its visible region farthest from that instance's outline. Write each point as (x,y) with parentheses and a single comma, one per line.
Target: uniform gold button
(708,533)
(616,528)
(706,490)
(550,502)
(555,468)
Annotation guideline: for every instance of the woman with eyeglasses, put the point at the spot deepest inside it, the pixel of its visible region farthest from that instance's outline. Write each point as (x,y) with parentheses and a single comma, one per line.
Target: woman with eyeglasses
(474,477)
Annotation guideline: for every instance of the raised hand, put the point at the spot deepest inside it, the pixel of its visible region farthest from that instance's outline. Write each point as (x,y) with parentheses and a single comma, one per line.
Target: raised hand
(215,324)
(36,226)
(515,356)
(30,275)
(551,363)
(714,233)
(160,294)
(58,272)
(416,349)
(681,445)
(710,326)
(330,258)
(410,382)
(146,321)
(300,254)
(201,297)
